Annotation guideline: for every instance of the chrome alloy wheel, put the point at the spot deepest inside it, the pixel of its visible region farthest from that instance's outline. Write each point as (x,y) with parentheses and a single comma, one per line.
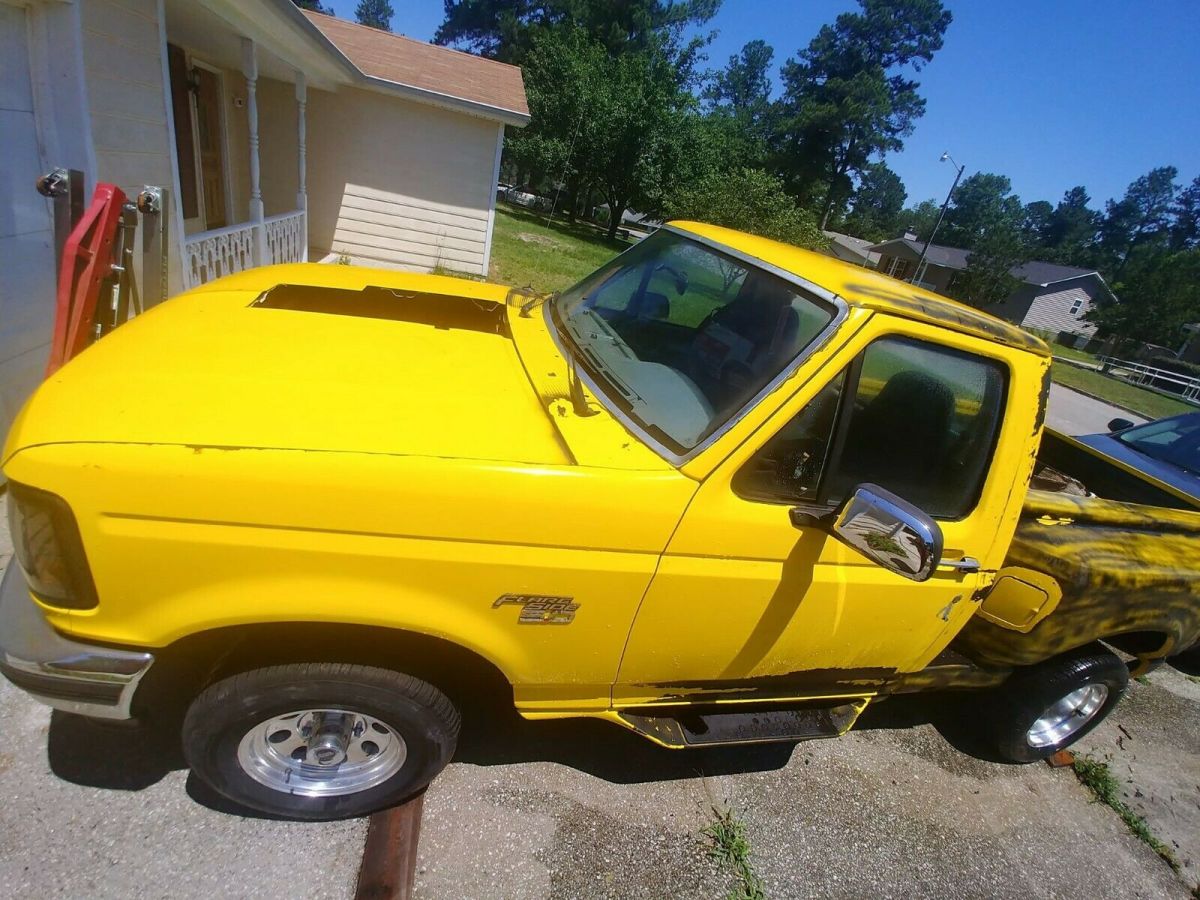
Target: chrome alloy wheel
(321,752)
(1067,716)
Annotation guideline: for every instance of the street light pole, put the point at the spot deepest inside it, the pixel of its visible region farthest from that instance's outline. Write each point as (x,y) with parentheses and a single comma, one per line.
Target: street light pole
(941,215)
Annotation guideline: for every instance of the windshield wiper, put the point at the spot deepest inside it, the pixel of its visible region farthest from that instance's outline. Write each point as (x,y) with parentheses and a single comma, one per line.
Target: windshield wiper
(532,299)
(574,385)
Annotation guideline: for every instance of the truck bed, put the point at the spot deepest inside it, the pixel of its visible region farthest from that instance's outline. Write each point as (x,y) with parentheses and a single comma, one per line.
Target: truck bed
(1126,557)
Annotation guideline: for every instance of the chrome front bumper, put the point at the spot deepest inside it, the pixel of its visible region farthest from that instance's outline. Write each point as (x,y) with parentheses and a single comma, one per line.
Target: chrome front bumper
(78,678)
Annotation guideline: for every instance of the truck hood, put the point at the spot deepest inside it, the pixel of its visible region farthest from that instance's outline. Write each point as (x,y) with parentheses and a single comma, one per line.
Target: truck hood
(324,358)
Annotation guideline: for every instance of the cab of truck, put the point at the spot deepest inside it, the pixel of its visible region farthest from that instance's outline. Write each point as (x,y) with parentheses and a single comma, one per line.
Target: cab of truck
(721,491)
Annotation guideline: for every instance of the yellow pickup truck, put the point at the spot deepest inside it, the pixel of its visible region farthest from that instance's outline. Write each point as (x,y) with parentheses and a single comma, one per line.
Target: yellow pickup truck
(723,490)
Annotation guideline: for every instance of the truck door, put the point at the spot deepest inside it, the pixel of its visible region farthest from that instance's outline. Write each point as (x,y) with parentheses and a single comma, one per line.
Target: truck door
(745,606)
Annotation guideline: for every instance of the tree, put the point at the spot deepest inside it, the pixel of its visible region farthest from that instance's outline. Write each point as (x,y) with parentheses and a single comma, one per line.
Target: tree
(375,13)
(749,200)
(875,208)
(744,86)
(737,106)
(1142,216)
(846,100)
(988,277)
(981,202)
(918,219)
(506,29)
(1185,230)
(314,6)
(1155,307)
(1071,233)
(624,117)
(986,218)
(1036,225)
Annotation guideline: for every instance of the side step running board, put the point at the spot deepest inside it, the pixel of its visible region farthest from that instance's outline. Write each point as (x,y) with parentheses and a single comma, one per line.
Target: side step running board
(687,728)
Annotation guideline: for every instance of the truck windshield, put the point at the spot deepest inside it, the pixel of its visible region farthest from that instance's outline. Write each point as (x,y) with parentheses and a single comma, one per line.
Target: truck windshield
(680,336)
(1175,440)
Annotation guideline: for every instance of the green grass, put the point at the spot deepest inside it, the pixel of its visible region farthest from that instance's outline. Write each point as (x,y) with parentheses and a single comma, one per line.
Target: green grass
(1071,353)
(1146,403)
(730,845)
(1097,778)
(527,252)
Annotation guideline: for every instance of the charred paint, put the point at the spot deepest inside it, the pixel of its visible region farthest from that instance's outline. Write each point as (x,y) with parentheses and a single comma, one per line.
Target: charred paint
(941,311)
(957,676)
(790,684)
(1122,569)
(1043,402)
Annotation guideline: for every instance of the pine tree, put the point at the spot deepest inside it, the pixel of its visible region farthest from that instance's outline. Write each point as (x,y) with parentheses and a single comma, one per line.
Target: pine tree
(375,13)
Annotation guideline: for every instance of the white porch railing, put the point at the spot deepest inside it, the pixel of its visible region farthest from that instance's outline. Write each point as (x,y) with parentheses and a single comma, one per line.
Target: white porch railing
(286,237)
(209,255)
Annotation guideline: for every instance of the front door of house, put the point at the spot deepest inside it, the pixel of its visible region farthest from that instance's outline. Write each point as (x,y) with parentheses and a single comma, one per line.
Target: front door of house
(197,100)
(210,145)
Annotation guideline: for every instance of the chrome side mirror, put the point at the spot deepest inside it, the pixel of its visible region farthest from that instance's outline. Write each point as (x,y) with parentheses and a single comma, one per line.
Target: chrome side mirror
(890,531)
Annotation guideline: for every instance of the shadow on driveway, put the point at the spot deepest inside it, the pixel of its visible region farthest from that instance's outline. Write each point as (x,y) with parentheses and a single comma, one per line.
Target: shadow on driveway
(131,757)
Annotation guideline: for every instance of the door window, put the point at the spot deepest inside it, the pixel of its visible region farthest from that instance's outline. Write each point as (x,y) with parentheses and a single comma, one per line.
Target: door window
(916,418)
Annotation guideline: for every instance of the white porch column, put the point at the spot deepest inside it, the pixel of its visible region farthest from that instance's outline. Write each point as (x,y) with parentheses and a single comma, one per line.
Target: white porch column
(301,161)
(250,70)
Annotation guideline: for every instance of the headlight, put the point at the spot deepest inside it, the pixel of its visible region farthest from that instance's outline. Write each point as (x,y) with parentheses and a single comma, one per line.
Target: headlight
(49,549)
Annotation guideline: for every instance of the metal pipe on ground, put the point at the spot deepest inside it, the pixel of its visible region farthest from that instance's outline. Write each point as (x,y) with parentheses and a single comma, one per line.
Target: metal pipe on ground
(389,863)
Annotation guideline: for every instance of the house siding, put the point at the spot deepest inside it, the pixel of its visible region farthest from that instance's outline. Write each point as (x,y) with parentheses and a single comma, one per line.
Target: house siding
(1050,309)
(415,195)
(26,226)
(123,66)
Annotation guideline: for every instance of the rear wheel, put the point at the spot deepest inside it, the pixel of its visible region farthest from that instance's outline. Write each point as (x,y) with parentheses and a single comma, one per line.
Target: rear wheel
(321,740)
(1048,707)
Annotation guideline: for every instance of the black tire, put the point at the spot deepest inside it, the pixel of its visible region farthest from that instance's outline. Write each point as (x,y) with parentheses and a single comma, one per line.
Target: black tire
(1031,692)
(227,711)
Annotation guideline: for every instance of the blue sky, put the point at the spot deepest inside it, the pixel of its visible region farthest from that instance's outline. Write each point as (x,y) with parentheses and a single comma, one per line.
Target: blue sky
(1051,94)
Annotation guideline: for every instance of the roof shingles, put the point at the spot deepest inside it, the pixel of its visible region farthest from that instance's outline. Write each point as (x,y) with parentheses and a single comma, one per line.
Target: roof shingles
(439,70)
(1032,272)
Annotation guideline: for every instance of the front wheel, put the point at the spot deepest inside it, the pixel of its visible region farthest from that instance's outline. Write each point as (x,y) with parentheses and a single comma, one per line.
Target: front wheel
(319,741)
(1048,707)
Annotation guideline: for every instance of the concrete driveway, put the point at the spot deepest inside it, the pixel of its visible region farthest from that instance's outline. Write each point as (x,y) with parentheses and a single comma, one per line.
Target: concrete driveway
(896,809)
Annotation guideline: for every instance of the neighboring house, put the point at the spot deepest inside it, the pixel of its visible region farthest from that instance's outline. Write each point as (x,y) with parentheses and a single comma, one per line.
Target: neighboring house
(1051,297)
(281,135)
(851,249)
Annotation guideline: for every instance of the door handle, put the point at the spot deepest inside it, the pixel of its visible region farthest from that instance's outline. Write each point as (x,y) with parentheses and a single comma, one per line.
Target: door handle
(966,565)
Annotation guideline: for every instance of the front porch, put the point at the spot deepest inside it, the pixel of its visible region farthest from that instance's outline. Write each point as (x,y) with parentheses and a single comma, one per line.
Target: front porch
(239,116)
(207,255)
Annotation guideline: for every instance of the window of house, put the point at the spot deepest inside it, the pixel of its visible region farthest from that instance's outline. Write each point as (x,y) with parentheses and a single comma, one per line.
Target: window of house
(916,418)
(1076,306)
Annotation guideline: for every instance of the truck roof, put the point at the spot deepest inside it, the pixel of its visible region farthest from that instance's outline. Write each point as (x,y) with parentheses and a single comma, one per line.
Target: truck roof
(866,288)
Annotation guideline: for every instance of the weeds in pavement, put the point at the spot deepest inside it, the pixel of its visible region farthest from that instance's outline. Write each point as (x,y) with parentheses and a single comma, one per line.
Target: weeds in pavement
(729,844)
(1097,778)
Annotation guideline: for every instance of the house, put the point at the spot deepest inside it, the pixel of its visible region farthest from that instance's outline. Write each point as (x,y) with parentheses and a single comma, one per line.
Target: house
(856,251)
(1051,298)
(280,135)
